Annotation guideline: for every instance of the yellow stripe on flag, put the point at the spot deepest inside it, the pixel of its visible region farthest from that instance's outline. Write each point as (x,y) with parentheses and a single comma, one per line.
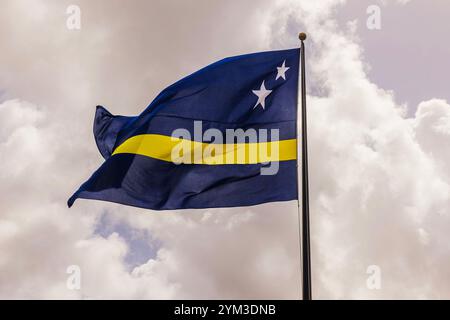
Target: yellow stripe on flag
(178,150)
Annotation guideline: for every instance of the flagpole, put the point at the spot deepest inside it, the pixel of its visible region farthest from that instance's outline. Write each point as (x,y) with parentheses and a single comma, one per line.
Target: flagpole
(305,239)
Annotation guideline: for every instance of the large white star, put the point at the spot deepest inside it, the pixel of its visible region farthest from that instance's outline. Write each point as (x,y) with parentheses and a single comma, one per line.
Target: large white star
(282,71)
(262,94)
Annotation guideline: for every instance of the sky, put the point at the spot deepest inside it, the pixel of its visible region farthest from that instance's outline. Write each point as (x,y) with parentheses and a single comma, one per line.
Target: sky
(379,129)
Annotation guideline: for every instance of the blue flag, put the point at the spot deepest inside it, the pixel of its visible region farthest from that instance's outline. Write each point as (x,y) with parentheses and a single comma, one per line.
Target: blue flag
(224,136)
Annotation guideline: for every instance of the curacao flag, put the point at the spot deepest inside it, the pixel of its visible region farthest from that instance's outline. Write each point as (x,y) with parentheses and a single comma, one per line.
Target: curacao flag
(224,136)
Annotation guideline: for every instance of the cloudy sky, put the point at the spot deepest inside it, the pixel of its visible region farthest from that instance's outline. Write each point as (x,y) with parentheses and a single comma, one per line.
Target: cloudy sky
(379,135)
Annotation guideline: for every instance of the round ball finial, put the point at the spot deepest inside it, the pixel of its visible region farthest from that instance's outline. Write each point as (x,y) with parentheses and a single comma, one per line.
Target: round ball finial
(302,36)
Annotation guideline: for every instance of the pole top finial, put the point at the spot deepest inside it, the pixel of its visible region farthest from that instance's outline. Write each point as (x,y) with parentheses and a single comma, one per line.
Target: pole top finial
(302,36)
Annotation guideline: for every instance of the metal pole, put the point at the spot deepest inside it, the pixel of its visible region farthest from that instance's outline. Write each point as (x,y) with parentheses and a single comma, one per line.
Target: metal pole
(306,254)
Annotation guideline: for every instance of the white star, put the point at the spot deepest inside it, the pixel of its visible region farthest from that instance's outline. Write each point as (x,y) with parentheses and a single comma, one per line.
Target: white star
(282,71)
(262,94)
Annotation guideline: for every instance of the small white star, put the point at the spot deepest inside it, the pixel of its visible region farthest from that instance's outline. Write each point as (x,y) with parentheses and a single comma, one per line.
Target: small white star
(282,71)
(262,94)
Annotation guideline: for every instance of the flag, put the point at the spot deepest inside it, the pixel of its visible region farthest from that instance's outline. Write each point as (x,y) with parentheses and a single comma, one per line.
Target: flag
(224,136)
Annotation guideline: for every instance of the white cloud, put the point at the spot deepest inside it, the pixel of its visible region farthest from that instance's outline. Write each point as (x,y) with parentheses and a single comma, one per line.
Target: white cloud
(432,129)
(380,183)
